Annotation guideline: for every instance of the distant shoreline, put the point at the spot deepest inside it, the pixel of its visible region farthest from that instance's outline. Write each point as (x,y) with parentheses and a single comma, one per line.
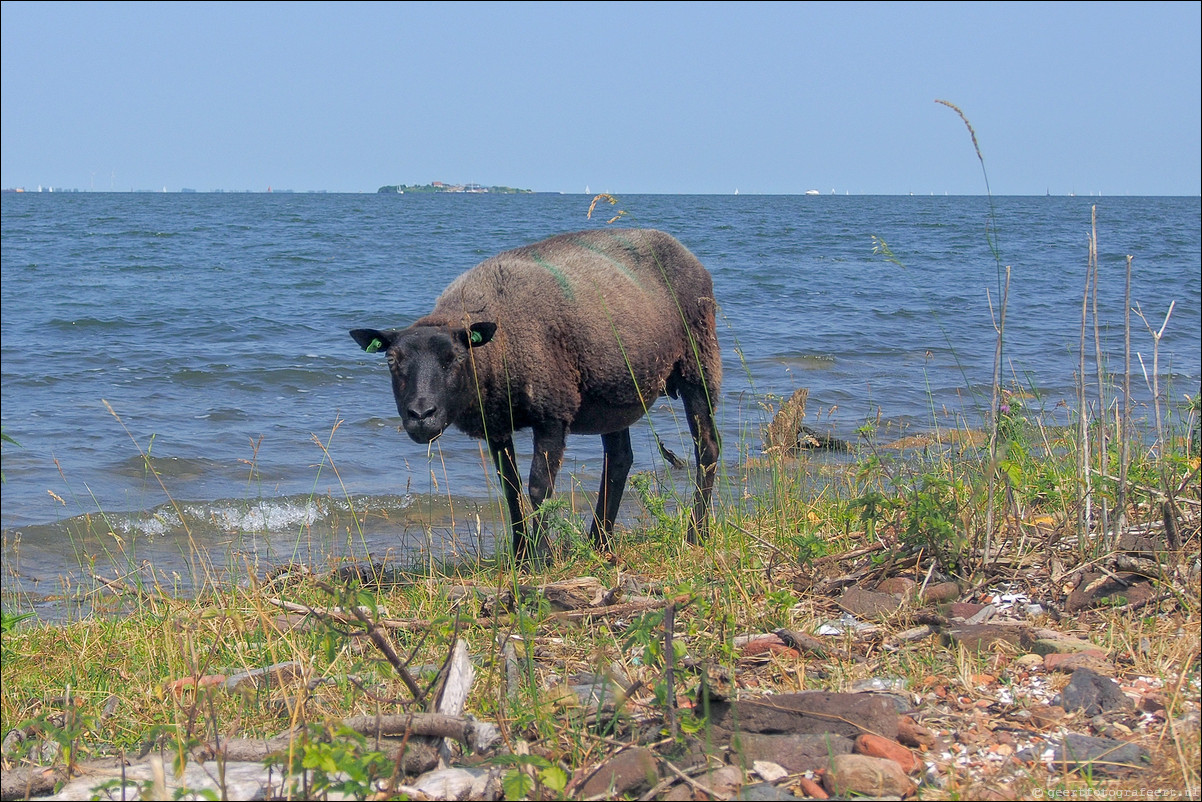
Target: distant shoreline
(419,190)
(439,186)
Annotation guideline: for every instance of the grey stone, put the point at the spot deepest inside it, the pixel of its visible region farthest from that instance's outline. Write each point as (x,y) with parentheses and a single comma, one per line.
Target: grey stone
(981,616)
(868,603)
(764,792)
(724,781)
(881,684)
(445,783)
(809,712)
(1091,692)
(983,637)
(626,771)
(1061,644)
(795,752)
(456,783)
(1099,755)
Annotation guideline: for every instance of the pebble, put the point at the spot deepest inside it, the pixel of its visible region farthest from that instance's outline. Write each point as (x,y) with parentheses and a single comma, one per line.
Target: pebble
(771,772)
(898,586)
(941,592)
(870,776)
(912,734)
(1029,661)
(876,746)
(886,684)
(812,789)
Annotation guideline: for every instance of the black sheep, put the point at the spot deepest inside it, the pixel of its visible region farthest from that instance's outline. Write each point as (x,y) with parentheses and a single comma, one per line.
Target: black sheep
(578,333)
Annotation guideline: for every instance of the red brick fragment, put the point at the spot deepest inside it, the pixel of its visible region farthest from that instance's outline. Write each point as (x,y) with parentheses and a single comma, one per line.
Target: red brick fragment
(876,746)
(812,789)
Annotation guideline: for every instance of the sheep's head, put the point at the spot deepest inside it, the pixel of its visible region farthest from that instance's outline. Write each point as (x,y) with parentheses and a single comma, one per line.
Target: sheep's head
(431,370)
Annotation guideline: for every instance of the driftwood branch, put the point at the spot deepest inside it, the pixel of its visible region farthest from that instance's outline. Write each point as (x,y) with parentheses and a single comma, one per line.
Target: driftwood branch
(379,637)
(618,610)
(670,668)
(602,611)
(464,729)
(24,782)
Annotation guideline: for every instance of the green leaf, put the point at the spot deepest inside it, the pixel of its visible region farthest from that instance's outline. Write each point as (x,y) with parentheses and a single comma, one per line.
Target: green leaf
(690,723)
(554,778)
(517,785)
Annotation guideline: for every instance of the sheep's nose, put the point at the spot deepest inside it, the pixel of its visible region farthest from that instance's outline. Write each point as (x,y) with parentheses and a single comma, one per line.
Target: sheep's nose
(422,412)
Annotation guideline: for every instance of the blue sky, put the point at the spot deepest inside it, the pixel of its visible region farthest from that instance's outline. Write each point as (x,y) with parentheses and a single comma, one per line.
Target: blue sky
(621,97)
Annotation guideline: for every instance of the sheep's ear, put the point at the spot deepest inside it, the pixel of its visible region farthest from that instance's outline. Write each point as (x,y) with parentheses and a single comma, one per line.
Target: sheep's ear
(371,340)
(478,334)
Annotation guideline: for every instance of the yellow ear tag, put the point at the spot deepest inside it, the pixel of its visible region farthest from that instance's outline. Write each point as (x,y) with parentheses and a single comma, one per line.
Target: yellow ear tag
(373,346)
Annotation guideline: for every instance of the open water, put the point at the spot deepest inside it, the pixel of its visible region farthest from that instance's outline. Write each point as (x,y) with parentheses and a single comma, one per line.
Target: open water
(205,336)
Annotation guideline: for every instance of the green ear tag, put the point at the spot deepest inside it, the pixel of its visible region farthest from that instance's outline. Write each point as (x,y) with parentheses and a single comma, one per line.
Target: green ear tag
(476,338)
(373,346)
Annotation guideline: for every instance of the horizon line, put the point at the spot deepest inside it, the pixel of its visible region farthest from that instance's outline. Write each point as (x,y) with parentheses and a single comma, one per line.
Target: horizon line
(805,193)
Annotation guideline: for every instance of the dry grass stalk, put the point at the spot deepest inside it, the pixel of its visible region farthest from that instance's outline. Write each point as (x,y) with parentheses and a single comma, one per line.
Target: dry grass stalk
(1124,412)
(994,420)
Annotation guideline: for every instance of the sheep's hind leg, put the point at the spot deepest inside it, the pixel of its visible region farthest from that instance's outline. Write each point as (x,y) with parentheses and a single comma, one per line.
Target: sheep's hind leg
(619,456)
(706,446)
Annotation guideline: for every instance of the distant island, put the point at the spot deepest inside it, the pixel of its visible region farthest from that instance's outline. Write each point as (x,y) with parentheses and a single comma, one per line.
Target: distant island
(438,186)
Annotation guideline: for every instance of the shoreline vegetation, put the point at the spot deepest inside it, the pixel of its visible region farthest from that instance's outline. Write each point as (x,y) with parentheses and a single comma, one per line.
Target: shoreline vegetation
(1010,609)
(876,586)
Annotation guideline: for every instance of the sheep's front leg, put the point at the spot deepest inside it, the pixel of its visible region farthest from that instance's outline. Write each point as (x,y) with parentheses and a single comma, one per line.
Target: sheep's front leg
(511,485)
(549,440)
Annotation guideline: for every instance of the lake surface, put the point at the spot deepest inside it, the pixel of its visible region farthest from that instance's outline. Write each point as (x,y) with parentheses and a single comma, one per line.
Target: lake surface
(206,335)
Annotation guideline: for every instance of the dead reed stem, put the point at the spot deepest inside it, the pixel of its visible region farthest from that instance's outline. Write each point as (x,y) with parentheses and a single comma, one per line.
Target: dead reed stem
(1154,382)
(1099,368)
